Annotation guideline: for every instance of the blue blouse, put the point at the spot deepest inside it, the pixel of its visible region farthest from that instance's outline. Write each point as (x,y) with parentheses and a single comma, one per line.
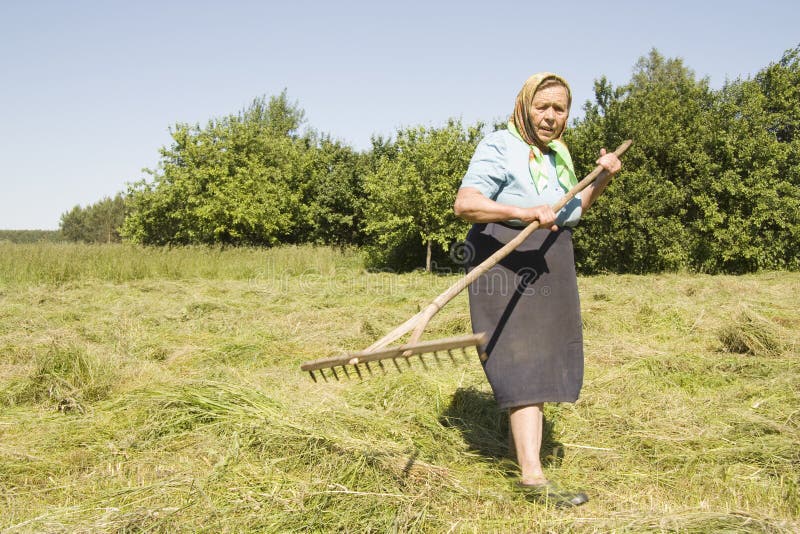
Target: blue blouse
(499,170)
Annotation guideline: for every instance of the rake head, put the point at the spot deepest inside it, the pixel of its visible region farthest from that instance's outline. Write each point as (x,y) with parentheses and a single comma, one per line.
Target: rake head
(405,352)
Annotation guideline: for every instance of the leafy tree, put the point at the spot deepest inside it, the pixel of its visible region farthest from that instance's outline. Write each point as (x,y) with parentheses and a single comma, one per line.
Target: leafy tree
(97,223)
(779,83)
(73,224)
(711,181)
(332,193)
(639,224)
(753,204)
(411,191)
(236,181)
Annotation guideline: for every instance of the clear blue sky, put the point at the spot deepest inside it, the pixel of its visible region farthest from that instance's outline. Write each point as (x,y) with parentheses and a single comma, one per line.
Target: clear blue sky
(89,89)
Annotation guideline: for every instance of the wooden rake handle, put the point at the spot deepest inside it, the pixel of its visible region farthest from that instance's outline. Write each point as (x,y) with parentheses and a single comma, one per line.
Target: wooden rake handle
(419,321)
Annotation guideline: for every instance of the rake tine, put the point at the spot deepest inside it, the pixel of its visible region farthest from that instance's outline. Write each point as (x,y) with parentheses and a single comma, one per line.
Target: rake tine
(407,351)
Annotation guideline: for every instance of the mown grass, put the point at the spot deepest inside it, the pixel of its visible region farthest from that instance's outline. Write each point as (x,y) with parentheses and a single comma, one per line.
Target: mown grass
(158,390)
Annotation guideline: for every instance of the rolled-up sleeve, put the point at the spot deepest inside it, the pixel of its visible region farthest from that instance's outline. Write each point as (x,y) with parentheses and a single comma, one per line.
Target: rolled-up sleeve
(487,171)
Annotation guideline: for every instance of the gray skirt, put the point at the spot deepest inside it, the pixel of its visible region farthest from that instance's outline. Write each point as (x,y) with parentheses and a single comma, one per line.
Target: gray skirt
(528,305)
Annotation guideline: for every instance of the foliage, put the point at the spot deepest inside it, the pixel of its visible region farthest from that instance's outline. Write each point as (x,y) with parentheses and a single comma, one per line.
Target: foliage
(96,223)
(232,182)
(713,176)
(411,191)
(755,187)
(250,179)
(333,200)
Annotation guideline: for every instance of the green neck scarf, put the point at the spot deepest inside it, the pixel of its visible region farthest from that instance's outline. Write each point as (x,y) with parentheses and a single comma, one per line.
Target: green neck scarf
(565,170)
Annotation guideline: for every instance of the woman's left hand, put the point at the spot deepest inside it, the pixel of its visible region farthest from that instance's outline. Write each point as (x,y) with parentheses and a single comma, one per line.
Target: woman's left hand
(610,162)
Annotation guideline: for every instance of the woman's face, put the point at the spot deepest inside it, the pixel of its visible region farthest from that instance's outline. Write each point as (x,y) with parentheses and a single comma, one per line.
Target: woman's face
(549,112)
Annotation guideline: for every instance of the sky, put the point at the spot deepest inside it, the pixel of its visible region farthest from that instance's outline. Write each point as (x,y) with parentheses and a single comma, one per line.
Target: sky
(90,89)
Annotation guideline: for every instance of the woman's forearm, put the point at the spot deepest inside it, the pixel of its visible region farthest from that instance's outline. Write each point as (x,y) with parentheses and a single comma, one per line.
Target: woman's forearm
(471,205)
(593,191)
(610,162)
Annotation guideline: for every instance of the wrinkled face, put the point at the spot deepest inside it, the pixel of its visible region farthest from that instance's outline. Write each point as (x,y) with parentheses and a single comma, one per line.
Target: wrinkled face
(549,112)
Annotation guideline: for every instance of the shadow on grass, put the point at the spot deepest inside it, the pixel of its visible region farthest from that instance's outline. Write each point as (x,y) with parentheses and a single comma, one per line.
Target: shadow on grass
(485,429)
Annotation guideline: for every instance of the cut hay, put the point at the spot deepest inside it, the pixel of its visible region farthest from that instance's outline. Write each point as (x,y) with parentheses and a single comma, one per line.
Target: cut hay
(195,418)
(751,333)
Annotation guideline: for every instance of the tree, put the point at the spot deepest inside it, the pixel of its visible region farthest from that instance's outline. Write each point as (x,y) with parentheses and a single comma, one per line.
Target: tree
(96,223)
(236,181)
(332,193)
(711,180)
(411,191)
(753,204)
(639,223)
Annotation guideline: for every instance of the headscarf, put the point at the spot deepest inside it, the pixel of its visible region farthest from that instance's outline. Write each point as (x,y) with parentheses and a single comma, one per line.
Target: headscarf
(520,127)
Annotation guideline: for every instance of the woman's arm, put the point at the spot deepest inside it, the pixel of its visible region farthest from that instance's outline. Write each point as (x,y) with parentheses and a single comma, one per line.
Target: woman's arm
(610,162)
(473,206)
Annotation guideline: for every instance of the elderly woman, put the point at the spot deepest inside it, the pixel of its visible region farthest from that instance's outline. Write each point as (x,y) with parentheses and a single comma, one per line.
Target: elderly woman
(528,304)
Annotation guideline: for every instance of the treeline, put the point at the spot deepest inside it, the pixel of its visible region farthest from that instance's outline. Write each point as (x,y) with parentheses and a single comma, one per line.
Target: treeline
(254,179)
(31,236)
(711,183)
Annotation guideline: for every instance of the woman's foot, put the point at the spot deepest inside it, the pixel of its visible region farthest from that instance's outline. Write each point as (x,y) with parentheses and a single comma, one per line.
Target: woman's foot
(534,481)
(549,493)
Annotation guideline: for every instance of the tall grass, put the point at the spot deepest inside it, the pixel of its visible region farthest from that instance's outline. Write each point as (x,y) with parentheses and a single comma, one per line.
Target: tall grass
(174,402)
(67,262)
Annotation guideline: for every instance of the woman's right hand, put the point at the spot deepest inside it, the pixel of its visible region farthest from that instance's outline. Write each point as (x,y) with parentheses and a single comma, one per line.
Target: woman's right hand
(544,214)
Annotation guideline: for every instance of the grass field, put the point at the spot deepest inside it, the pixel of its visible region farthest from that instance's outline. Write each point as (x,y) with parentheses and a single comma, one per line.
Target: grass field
(158,390)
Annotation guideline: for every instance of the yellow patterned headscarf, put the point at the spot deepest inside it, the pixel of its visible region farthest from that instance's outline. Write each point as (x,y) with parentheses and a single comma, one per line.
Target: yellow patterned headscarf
(521,117)
(520,127)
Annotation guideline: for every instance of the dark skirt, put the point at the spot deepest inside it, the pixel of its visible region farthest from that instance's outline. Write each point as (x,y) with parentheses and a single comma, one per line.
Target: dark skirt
(529,307)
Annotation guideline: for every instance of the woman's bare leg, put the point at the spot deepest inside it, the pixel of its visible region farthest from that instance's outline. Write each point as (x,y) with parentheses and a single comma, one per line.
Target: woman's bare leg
(526,429)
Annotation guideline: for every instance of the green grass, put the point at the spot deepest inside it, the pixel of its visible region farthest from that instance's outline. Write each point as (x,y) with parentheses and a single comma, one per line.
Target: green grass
(158,390)
(58,263)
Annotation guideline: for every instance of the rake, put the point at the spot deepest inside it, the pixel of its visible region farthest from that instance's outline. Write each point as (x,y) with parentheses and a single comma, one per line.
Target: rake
(380,351)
